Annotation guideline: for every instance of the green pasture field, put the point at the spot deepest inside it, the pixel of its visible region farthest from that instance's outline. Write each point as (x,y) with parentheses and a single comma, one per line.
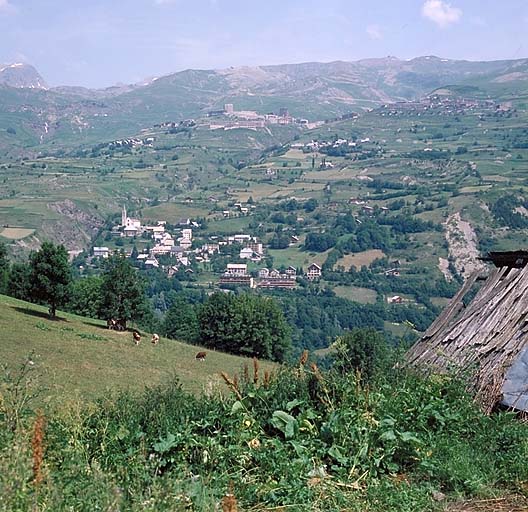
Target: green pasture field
(296,257)
(360,259)
(76,356)
(356,294)
(231,166)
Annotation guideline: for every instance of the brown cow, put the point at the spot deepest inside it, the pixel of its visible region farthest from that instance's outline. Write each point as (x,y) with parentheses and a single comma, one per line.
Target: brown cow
(137,337)
(116,324)
(155,339)
(201,356)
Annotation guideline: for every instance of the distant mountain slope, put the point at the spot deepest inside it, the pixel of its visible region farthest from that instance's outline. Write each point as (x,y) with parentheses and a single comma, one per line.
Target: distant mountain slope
(21,75)
(311,90)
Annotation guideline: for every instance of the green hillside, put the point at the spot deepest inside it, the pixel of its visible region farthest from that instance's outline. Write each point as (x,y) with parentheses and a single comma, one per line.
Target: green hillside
(68,116)
(79,357)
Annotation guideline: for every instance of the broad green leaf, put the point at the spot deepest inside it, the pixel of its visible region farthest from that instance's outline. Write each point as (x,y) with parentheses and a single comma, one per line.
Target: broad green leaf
(237,406)
(294,403)
(284,422)
(389,435)
(164,445)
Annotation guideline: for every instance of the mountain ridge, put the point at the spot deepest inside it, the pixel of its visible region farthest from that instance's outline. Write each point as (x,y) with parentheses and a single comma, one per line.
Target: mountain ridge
(315,91)
(21,75)
(364,63)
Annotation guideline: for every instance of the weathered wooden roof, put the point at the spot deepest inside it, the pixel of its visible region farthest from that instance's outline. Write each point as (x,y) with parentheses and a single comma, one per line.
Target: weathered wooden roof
(484,338)
(511,259)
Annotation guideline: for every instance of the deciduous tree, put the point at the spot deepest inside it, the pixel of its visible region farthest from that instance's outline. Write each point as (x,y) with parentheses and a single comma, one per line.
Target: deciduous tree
(4,267)
(122,290)
(50,276)
(181,322)
(248,324)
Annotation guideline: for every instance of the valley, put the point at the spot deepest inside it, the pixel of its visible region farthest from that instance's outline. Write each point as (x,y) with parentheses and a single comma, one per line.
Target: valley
(399,201)
(210,280)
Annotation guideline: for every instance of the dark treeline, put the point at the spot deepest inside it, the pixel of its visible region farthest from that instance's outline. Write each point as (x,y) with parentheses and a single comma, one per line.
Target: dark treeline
(505,210)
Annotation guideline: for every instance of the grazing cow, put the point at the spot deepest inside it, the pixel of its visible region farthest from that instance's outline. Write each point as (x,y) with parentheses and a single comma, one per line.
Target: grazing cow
(201,356)
(155,339)
(116,324)
(137,337)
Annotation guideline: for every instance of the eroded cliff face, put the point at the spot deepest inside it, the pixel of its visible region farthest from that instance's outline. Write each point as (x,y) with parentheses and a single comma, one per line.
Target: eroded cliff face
(76,227)
(463,245)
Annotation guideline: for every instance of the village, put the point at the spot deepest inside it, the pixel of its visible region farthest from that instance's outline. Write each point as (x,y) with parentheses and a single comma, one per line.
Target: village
(178,247)
(228,118)
(443,105)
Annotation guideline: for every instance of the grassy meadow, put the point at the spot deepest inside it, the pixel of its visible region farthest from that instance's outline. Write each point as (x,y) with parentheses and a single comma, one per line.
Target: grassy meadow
(80,357)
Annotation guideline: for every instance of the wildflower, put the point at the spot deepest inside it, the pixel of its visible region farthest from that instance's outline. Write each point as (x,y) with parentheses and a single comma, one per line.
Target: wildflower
(255,371)
(369,418)
(254,444)
(37,445)
(232,384)
(229,502)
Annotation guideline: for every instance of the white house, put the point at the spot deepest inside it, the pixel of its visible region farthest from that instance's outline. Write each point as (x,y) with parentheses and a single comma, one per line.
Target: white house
(161,249)
(177,250)
(101,252)
(246,254)
(256,247)
(314,272)
(156,229)
(166,240)
(291,272)
(185,243)
(130,231)
(263,273)
(151,262)
(236,269)
(238,239)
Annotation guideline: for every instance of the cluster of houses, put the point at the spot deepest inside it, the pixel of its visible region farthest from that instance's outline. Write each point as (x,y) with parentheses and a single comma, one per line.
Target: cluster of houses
(315,145)
(240,210)
(437,104)
(131,143)
(171,125)
(181,249)
(237,274)
(165,243)
(229,119)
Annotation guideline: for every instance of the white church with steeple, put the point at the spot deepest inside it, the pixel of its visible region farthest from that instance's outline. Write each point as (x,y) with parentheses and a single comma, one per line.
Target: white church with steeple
(131,227)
